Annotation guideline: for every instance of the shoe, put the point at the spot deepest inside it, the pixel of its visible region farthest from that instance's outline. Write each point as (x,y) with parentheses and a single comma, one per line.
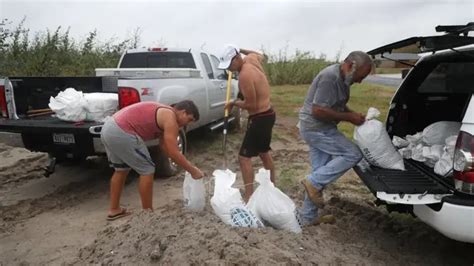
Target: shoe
(121,214)
(314,194)
(325,219)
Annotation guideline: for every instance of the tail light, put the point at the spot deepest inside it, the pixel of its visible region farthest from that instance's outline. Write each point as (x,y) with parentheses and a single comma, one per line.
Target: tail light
(3,103)
(127,96)
(464,163)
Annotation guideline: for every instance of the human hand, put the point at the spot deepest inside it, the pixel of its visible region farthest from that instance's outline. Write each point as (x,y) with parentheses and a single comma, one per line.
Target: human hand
(357,118)
(196,173)
(228,106)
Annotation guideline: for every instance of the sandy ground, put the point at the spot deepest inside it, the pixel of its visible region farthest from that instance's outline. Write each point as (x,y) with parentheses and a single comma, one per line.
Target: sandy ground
(61,219)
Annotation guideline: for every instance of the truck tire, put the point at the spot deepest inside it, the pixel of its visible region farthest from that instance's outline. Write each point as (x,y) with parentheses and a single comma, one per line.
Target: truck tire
(165,167)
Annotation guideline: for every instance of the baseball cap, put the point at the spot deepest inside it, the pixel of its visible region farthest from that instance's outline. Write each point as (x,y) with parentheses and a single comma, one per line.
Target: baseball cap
(227,55)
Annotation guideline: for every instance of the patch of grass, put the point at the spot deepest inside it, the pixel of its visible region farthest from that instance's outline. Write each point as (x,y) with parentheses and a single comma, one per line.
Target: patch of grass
(288,99)
(367,95)
(289,176)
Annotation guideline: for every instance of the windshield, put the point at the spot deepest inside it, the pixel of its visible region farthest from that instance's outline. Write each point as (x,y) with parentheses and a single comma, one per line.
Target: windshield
(158,60)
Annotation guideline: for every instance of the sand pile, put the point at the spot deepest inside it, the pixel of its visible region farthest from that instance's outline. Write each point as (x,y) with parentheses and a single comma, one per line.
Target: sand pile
(18,164)
(176,236)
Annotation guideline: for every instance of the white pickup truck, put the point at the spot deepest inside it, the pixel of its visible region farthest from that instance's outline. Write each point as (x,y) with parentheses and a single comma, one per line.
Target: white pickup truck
(155,74)
(440,87)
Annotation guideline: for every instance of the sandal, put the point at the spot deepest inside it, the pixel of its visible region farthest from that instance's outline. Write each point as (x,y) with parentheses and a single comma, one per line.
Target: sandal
(121,214)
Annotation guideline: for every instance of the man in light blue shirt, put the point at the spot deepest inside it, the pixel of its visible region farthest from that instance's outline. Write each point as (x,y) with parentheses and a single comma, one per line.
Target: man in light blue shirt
(331,153)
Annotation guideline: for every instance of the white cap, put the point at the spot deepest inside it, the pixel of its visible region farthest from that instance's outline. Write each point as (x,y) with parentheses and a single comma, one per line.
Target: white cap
(227,55)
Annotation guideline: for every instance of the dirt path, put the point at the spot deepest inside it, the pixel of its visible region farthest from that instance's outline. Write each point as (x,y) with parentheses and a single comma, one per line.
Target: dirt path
(62,220)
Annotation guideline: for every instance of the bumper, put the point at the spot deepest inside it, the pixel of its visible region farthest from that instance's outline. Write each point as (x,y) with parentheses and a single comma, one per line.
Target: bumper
(453,221)
(12,139)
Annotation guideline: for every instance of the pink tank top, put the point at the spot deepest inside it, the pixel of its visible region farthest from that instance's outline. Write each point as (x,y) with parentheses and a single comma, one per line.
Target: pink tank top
(140,119)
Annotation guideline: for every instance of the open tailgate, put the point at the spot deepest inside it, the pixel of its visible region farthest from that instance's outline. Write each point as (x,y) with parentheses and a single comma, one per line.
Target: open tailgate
(406,51)
(416,185)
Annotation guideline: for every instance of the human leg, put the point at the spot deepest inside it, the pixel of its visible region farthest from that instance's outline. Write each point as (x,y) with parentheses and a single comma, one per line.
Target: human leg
(117,183)
(145,188)
(267,161)
(343,155)
(247,176)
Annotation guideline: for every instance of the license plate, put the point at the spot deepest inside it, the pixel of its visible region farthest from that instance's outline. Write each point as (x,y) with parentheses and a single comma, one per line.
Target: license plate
(64,138)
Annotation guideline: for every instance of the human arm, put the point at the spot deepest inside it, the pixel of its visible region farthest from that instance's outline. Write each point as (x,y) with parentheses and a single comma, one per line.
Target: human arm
(326,97)
(169,142)
(260,56)
(247,89)
(328,114)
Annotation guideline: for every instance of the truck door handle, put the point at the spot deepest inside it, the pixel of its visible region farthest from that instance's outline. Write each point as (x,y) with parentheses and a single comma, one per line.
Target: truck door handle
(222,86)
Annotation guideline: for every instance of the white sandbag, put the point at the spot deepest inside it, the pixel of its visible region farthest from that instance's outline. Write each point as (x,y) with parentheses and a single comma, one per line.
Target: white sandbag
(445,164)
(375,144)
(268,203)
(415,139)
(405,152)
(227,202)
(194,193)
(417,153)
(451,143)
(100,105)
(68,105)
(399,142)
(433,152)
(437,133)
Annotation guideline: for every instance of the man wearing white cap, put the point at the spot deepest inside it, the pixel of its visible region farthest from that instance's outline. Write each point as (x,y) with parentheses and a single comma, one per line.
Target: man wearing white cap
(254,87)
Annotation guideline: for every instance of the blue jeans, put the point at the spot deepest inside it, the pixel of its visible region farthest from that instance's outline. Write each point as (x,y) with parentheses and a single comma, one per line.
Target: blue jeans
(331,155)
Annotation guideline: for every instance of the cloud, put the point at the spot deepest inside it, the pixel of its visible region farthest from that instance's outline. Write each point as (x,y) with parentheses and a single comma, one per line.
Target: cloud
(315,26)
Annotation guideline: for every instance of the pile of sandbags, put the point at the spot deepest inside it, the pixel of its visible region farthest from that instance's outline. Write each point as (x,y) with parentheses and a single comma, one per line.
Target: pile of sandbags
(74,106)
(267,204)
(434,146)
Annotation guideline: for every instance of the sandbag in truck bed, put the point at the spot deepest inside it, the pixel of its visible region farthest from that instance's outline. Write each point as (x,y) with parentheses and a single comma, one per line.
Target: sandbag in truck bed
(74,106)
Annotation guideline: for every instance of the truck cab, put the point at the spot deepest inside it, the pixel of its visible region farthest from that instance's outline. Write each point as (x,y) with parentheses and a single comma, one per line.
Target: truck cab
(440,87)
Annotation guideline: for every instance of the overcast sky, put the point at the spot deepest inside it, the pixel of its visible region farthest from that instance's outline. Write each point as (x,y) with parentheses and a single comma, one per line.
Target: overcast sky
(315,26)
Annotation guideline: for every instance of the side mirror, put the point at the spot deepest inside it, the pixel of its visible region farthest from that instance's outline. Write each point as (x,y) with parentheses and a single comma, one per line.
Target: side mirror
(222,76)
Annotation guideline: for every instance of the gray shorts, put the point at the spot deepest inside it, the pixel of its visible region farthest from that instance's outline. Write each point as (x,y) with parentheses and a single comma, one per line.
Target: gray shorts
(125,150)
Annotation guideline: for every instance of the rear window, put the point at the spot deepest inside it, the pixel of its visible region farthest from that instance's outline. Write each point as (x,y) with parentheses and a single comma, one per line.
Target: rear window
(453,77)
(158,60)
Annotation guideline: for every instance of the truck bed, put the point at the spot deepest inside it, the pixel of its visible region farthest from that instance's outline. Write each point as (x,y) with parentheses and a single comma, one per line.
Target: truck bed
(417,179)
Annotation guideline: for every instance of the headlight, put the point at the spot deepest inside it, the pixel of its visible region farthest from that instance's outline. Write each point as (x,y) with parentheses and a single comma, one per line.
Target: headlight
(462,161)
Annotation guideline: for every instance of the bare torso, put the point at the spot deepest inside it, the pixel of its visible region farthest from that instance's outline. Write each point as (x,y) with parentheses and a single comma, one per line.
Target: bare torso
(252,69)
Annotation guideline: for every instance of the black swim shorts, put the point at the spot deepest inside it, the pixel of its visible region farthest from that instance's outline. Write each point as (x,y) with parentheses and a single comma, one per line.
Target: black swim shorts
(259,134)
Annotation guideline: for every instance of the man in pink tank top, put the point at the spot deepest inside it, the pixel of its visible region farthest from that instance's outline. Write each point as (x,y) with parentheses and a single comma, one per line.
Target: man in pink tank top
(124,137)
